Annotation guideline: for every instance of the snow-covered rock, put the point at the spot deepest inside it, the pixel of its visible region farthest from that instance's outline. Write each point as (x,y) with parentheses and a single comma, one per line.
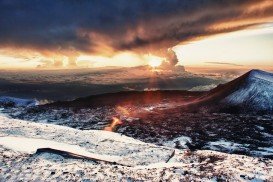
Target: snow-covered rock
(179,142)
(131,151)
(5,100)
(31,146)
(134,160)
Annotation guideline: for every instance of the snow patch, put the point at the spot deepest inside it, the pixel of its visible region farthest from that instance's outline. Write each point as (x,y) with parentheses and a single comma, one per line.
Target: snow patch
(179,142)
(264,151)
(31,145)
(260,127)
(224,145)
(18,102)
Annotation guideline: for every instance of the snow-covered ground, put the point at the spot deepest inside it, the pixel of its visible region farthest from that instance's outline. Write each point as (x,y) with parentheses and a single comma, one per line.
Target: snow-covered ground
(126,159)
(247,134)
(5,100)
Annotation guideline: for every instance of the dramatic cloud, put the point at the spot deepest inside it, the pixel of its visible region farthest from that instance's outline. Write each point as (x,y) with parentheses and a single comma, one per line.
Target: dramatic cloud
(170,60)
(106,26)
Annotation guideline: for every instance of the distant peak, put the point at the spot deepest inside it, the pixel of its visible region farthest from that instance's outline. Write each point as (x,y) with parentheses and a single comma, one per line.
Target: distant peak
(257,71)
(260,74)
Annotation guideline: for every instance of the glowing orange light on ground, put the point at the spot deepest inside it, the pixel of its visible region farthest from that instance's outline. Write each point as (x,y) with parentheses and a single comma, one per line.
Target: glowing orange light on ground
(123,111)
(116,121)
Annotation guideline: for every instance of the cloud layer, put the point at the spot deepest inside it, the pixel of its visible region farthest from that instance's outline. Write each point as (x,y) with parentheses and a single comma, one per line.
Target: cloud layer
(107,26)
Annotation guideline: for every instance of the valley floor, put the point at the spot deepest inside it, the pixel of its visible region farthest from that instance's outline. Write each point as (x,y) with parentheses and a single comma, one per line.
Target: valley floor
(125,158)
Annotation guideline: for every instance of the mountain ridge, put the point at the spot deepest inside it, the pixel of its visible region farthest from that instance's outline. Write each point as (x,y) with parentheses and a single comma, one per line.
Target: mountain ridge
(251,92)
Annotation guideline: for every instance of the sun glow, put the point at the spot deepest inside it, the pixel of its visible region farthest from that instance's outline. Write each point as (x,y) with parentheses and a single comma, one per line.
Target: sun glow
(154,61)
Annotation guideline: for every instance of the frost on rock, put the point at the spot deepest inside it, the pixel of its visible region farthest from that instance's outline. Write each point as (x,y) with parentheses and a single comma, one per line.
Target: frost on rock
(256,92)
(131,151)
(135,160)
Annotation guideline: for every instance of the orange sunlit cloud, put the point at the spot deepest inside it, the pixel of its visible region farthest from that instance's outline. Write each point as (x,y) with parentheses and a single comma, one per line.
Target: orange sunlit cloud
(115,39)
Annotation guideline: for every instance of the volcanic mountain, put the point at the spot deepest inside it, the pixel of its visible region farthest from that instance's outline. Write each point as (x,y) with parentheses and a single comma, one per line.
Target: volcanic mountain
(130,98)
(251,92)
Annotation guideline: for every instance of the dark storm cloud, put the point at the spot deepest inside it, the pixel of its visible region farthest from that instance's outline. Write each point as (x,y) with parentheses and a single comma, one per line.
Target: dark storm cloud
(94,25)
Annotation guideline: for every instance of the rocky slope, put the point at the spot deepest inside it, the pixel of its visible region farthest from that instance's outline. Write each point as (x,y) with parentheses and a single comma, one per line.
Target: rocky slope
(252,92)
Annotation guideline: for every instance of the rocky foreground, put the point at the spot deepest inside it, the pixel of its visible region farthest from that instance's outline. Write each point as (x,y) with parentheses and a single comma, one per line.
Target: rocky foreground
(101,155)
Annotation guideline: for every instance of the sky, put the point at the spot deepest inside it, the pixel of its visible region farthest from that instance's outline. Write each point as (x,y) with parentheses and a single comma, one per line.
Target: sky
(97,33)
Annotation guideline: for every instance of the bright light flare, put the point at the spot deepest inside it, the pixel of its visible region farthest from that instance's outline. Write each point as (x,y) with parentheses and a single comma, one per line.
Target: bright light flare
(154,61)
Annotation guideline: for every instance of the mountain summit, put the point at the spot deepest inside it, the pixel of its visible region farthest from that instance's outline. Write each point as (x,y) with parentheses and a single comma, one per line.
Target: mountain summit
(251,92)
